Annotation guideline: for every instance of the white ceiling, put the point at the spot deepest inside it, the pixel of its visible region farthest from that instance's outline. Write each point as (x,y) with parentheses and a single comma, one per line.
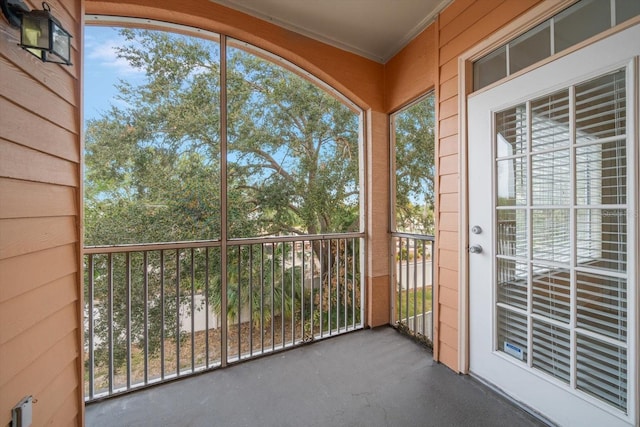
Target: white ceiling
(375,29)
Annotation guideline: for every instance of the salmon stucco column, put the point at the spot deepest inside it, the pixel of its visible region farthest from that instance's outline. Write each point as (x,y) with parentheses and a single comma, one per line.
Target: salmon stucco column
(377,220)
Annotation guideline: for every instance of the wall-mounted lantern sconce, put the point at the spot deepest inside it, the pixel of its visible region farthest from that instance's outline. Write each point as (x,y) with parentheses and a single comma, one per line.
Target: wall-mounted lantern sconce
(40,33)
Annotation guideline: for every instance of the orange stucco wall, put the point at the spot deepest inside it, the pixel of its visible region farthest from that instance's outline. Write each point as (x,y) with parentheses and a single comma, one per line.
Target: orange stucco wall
(40,321)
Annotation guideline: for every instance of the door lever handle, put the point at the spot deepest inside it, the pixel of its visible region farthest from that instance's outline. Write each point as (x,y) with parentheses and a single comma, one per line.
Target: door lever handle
(475,249)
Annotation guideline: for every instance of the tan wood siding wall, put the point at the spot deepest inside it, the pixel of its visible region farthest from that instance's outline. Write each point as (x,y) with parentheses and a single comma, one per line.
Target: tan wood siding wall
(40,289)
(460,26)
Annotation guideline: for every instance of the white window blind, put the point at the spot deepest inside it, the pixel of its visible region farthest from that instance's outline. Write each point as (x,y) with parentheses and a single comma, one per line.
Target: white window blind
(561,234)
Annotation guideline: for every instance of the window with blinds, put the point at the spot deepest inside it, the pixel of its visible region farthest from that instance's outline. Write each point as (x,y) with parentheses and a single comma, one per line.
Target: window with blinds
(561,236)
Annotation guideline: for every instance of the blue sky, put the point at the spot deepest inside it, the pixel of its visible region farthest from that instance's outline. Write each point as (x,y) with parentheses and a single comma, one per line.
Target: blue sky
(103,69)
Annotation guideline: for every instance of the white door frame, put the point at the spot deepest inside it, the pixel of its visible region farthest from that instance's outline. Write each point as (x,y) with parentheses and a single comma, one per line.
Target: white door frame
(465,86)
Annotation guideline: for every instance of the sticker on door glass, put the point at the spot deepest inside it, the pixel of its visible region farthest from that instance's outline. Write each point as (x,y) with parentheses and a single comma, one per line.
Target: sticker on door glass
(513,350)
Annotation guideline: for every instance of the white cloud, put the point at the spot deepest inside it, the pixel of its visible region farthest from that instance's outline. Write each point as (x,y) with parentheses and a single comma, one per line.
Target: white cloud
(104,53)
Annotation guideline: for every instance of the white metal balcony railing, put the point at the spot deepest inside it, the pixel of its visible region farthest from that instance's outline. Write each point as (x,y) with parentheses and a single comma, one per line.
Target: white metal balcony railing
(155,312)
(413,278)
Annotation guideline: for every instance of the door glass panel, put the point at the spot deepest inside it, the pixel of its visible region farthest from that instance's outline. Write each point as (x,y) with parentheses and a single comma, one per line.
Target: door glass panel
(550,121)
(551,292)
(561,234)
(601,173)
(512,232)
(552,350)
(601,238)
(602,305)
(551,235)
(512,283)
(570,27)
(512,333)
(600,107)
(626,9)
(529,48)
(551,179)
(512,176)
(491,68)
(602,370)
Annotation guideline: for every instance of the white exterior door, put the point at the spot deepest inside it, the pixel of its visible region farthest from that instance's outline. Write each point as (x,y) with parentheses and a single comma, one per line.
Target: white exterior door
(553,196)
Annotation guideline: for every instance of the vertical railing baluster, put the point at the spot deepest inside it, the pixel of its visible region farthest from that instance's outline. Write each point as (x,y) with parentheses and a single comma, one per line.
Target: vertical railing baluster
(303,272)
(145,284)
(294,245)
(433,290)
(90,297)
(239,298)
(250,300)
(127,261)
(330,287)
(162,314)
(424,289)
(262,298)
(397,265)
(273,297)
(193,308)
(415,285)
(283,245)
(177,312)
(353,283)
(346,282)
(406,293)
(312,268)
(206,307)
(110,319)
(337,262)
(321,303)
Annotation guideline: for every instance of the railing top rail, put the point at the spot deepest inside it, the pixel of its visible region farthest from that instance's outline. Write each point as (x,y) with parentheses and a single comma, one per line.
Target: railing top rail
(141,247)
(427,237)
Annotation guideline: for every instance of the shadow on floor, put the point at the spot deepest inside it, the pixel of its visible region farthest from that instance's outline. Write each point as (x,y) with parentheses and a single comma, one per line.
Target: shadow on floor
(367,378)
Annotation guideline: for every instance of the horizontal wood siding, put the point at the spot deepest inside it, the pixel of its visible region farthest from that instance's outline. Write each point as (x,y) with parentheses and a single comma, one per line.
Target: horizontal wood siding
(461,25)
(40,291)
(413,71)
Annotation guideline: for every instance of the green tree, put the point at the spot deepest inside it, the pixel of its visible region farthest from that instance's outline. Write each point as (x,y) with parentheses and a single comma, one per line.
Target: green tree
(414,152)
(153,172)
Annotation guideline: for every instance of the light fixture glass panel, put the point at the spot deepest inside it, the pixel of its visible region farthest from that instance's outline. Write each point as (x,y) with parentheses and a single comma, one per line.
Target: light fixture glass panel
(551,292)
(35,30)
(551,240)
(529,48)
(512,279)
(61,45)
(490,68)
(626,9)
(581,21)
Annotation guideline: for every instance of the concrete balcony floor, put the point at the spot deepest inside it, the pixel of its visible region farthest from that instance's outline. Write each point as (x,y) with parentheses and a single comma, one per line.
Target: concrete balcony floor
(365,378)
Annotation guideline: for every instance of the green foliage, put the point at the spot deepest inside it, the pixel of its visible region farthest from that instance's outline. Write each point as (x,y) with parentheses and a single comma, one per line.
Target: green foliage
(415,167)
(153,173)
